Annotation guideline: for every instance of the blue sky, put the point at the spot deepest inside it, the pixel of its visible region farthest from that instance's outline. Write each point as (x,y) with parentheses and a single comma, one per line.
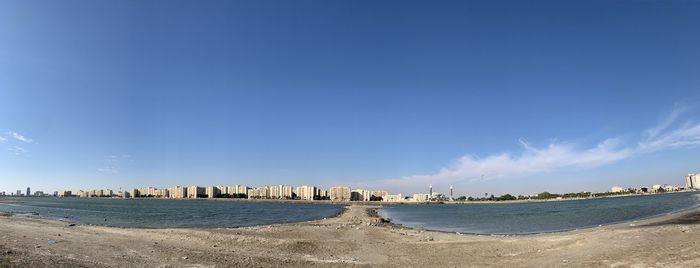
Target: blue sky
(489,96)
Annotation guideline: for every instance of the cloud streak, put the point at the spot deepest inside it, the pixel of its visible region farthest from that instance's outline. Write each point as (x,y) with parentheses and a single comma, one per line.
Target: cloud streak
(668,134)
(19,137)
(17,150)
(111,170)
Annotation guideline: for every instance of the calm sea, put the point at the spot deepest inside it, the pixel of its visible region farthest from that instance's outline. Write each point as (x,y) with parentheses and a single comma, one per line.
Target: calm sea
(160,213)
(536,217)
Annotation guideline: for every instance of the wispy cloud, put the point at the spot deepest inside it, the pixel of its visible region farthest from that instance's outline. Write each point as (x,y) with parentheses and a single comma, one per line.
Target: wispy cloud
(669,133)
(112,170)
(2,139)
(20,137)
(17,150)
(114,162)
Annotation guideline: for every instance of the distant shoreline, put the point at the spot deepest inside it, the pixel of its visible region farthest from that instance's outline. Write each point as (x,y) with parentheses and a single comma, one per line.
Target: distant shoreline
(680,216)
(360,202)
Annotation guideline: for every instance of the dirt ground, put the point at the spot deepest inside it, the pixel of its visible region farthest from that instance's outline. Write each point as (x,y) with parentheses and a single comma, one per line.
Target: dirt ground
(356,238)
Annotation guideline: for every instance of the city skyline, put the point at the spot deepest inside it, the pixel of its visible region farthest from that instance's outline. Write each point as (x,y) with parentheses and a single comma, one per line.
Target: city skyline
(489,100)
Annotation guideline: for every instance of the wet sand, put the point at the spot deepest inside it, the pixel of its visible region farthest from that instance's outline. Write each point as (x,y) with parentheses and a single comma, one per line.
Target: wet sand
(356,238)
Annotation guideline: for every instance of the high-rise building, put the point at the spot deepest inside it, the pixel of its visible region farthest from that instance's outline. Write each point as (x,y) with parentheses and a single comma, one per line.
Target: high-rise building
(379,194)
(451,192)
(306,192)
(430,193)
(238,190)
(29,193)
(421,197)
(213,191)
(340,193)
(259,193)
(360,195)
(196,192)
(692,181)
(393,198)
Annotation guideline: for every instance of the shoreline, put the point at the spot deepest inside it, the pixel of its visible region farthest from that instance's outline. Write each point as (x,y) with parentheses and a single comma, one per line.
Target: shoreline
(680,214)
(373,210)
(356,237)
(18,199)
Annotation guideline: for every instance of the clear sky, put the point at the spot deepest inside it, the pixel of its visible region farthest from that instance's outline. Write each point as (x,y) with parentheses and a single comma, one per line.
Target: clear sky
(489,96)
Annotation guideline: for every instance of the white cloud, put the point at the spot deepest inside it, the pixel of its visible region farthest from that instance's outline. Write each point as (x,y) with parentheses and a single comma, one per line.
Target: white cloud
(17,150)
(2,139)
(112,170)
(19,137)
(556,156)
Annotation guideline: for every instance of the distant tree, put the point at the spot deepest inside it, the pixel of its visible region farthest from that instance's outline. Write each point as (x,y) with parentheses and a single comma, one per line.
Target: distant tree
(506,197)
(461,198)
(375,198)
(470,198)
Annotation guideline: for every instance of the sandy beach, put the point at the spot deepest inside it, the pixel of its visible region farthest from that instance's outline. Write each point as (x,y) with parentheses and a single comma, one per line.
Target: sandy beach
(356,238)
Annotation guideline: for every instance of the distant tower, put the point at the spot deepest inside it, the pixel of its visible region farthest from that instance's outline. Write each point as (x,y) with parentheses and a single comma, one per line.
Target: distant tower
(28,191)
(451,193)
(431,190)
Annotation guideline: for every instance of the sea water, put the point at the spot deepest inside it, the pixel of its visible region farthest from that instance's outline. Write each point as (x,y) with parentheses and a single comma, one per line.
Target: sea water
(163,213)
(536,217)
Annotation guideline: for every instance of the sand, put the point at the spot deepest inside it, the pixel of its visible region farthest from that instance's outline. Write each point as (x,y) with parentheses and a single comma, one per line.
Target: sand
(354,239)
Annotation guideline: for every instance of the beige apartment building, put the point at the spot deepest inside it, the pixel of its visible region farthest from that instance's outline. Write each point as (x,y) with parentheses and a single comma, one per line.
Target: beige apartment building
(382,194)
(360,195)
(177,192)
(393,198)
(259,193)
(306,192)
(196,192)
(213,191)
(280,192)
(340,193)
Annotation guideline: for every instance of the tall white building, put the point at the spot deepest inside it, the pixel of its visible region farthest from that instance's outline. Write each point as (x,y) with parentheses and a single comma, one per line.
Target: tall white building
(692,181)
(237,190)
(280,192)
(259,193)
(360,195)
(213,191)
(196,192)
(393,198)
(305,192)
(177,192)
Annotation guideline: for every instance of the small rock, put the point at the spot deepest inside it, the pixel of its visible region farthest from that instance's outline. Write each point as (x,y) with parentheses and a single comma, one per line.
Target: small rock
(184,258)
(59,234)
(215,246)
(8,252)
(37,246)
(71,225)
